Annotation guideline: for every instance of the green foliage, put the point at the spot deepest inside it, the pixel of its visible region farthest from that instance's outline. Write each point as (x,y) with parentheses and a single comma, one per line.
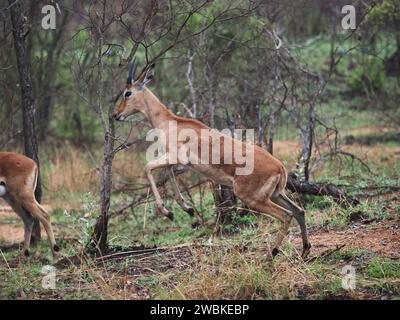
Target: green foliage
(349,255)
(385,15)
(369,77)
(381,268)
(240,222)
(65,127)
(315,203)
(84,223)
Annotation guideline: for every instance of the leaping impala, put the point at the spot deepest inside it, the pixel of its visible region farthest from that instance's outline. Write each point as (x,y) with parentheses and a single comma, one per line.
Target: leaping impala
(18,179)
(262,189)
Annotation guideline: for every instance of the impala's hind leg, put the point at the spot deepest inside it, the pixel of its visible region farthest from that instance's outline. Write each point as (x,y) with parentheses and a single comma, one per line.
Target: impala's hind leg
(40,213)
(298,213)
(260,201)
(28,227)
(27,219)
(285,216)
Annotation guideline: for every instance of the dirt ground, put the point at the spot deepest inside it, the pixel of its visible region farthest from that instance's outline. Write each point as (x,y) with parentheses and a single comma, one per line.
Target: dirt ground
(382,237)
(9,232)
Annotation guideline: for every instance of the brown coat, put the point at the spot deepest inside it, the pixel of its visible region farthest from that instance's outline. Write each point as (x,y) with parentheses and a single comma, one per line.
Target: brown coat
(19,174)
(17,171)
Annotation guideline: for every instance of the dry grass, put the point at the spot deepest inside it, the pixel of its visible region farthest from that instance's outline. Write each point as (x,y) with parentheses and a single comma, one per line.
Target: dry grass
(237,275)
(70,171)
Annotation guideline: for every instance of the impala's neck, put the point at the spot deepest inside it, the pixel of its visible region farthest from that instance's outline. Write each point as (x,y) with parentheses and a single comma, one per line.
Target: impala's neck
(155,111)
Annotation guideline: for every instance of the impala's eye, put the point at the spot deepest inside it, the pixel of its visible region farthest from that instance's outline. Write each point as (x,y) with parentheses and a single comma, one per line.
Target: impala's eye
(128,94)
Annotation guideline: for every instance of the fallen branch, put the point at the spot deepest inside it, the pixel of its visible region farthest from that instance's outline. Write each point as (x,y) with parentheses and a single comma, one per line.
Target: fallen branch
(140,251)
(320,189)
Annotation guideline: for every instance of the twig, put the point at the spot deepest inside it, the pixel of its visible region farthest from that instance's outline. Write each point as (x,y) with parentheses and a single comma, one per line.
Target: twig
(326,253)
(151,250)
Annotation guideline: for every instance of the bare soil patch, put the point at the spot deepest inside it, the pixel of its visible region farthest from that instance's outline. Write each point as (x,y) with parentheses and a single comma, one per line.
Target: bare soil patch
(11,233)
(382,237)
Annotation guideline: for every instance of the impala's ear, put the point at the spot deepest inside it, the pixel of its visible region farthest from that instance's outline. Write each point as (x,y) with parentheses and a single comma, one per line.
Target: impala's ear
(147,75)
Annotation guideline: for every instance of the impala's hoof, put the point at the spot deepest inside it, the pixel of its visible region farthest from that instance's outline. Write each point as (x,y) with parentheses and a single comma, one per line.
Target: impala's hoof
(275,252)
(26,253)
(56,248)
(190,212)
(195,224)
(306,250)
(170,216)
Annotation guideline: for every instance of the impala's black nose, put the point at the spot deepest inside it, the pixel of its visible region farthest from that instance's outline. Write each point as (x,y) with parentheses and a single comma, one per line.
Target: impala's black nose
(119,116)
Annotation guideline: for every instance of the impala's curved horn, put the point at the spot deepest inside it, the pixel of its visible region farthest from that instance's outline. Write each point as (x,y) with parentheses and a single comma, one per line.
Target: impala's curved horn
(132,71)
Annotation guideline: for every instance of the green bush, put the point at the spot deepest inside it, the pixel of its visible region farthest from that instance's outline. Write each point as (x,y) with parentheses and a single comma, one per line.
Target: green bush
(368,77)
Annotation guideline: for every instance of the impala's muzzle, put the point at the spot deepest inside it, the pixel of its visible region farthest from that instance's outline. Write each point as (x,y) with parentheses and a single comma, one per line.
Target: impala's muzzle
(119,116)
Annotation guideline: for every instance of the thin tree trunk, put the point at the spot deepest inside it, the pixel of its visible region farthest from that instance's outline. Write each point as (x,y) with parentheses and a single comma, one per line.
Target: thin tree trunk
(190,79)
(101,227)
(271,131)
(211,112)
(225,202)
(100,234)
(20,31)
(261,127)
(308,141)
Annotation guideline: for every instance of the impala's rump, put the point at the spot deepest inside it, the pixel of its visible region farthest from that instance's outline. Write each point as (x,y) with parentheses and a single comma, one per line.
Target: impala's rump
(18,179)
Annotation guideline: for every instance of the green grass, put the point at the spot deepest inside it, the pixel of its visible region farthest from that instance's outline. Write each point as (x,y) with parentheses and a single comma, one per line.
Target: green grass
(382,268)
(145,227)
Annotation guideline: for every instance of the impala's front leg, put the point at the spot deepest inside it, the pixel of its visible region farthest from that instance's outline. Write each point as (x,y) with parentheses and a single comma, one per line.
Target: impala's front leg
(162,162)
(178,195)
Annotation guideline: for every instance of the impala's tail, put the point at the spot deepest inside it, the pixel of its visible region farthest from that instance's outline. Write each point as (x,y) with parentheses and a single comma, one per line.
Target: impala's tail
(283,179)
(37,193)
(44,212)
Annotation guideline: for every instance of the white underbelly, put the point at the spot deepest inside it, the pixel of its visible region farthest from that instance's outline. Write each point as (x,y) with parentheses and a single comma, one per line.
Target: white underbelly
(3,190)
